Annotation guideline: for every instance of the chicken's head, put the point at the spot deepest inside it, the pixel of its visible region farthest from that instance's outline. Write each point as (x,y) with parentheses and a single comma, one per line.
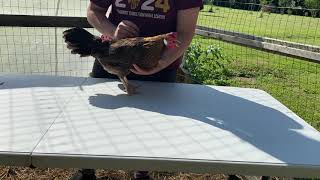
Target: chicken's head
(171,40)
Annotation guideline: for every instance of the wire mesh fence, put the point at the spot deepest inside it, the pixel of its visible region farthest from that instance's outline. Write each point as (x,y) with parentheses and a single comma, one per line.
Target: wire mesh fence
(44,7)
(294,82)
(264,21)
(39,50)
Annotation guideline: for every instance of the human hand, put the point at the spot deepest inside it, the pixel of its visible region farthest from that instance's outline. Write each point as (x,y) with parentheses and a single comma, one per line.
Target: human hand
(126,29)
(140,71)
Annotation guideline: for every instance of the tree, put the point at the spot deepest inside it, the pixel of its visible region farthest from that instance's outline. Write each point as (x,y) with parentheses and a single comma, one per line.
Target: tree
(265,2)
(286,4)
(313,5)
(266,6)
(211,2)
(299,3)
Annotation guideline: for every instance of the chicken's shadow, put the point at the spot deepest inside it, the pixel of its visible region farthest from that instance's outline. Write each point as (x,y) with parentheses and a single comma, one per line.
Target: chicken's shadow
(266,128)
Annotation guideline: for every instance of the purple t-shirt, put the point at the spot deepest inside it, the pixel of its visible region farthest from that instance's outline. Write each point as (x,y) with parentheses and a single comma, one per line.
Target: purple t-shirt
(153,17)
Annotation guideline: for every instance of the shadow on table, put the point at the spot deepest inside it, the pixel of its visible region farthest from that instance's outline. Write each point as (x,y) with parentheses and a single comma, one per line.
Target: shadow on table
(265,128)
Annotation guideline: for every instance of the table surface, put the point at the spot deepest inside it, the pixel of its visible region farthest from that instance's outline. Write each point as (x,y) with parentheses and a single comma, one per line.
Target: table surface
(78,122)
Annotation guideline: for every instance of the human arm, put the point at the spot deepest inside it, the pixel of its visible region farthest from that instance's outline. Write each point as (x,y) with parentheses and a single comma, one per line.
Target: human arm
(185,32)
(96,15)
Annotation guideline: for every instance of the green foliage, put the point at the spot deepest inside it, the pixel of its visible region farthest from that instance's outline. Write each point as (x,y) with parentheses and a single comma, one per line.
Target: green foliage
(291,7)
(211,2)
(207,65)
(284,3)
(313,5)
(260,14)
(299,3)
(287,3)
(265,2)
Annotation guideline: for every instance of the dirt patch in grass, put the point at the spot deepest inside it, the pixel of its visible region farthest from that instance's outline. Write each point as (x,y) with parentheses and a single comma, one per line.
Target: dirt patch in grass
(245,80)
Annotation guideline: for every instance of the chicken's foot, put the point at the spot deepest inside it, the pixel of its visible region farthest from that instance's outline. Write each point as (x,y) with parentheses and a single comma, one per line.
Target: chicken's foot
(129,88)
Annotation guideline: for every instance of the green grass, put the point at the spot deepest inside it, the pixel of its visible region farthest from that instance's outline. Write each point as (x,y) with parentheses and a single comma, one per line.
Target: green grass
(293,82)
(293,28)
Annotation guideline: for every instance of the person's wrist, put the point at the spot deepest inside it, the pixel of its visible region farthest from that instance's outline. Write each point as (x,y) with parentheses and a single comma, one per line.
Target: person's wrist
(163,63)
(110,32)
(113,32)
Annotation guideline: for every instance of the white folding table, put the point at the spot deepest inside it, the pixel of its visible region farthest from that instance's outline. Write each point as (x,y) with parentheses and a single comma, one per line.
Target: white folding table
(73,122)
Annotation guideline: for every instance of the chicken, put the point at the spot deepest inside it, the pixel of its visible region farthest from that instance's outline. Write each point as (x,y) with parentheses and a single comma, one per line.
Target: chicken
(118,56)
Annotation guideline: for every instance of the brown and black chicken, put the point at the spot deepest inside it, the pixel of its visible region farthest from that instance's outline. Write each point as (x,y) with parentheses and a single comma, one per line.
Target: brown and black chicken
(118,56)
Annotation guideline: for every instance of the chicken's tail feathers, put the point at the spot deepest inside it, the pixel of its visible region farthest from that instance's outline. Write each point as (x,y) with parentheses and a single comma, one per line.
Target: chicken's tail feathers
(80,41)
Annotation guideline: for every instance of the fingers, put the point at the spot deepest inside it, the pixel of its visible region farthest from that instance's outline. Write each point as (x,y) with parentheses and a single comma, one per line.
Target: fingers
(131,25)
(126,29)
(137,70)
(125,33)
(134,69)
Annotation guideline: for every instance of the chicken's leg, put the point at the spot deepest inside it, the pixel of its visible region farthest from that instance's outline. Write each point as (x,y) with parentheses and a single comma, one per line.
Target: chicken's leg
(129,88)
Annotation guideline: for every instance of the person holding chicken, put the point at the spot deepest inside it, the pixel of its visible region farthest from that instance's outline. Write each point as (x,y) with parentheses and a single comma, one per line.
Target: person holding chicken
(133,18)
(144,18)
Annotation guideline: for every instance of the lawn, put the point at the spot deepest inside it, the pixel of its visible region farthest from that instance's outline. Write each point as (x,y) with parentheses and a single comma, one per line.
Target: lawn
(293,28)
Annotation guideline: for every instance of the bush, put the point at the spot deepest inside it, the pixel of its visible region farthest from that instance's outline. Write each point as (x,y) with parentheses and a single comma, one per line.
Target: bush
(287,5)
(206,65)
(313,5)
